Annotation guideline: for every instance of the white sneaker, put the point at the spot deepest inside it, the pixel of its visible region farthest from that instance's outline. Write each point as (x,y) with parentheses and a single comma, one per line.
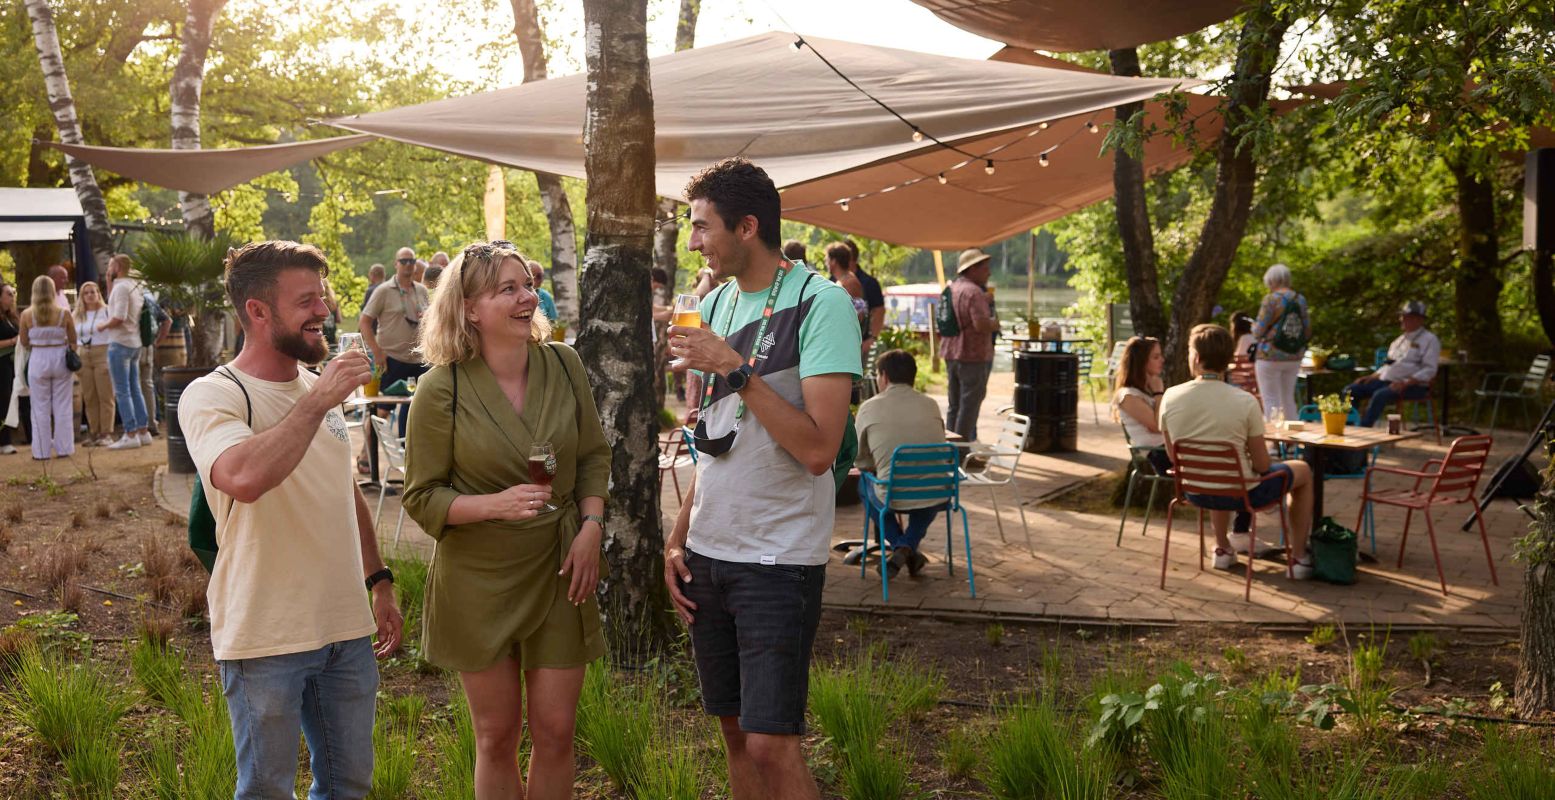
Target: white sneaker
(145,438)
(1302,570)
(7,450)
(1240,542)
(1223,559)
(127,442)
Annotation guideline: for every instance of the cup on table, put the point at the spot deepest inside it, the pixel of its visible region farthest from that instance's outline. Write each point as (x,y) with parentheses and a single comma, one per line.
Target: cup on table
(1395,424)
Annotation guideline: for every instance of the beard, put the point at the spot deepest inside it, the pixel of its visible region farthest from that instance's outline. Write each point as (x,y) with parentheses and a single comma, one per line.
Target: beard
(295,344)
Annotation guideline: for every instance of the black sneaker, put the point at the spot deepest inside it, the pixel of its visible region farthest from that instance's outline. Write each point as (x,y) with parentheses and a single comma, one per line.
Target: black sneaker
(915,563)
(894,564)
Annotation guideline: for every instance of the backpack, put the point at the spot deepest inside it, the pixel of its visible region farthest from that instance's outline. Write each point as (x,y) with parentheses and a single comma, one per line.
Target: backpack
(847,450)
(202,522)
(148,320)
(1290,330)
(945,321)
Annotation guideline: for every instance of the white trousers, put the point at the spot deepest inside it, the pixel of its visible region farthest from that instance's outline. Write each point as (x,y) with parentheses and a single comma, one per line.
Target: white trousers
(1277,386)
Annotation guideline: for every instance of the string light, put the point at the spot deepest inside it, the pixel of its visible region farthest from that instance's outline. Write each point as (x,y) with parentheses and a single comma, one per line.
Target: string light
(988,166)
(1042,159)
(942,179)
(917,135)
(1091,126)
(1042,126)
(843,203)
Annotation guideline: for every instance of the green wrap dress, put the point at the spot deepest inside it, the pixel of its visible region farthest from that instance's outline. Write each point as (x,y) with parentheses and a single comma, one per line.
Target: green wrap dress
(492,588)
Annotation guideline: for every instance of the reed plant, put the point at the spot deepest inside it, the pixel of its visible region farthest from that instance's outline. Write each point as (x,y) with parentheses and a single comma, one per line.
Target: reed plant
(1512,767)
(1033,753)
(65,705)
(453,746)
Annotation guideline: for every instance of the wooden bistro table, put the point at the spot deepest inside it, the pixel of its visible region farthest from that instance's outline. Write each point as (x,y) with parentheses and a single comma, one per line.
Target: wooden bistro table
(369,431)
(1316,444)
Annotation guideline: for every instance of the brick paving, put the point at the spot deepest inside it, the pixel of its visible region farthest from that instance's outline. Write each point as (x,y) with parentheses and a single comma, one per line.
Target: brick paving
(1078,575)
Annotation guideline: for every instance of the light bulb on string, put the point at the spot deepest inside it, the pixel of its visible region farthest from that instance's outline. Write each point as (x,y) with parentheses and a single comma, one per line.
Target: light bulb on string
(988,167)
(1042,126)
(1042,159)
(917,135)
(844,204)
(942,179)
(1091,126)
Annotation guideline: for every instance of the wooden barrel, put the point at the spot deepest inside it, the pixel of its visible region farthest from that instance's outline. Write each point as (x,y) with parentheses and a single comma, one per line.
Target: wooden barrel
(176,379)
(171,353)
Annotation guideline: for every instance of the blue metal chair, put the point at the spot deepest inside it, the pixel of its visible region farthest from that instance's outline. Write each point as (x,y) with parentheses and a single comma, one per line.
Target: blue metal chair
(920,472)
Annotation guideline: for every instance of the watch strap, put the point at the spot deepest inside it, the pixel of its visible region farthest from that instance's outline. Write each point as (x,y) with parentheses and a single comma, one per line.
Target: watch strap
(384,574)
(597,518)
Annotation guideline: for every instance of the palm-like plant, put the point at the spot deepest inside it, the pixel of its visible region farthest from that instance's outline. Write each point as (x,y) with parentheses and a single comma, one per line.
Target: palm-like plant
(187,273)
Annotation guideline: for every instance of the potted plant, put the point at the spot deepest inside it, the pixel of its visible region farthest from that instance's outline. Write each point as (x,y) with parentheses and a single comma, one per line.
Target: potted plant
(186,272)
(1335,410)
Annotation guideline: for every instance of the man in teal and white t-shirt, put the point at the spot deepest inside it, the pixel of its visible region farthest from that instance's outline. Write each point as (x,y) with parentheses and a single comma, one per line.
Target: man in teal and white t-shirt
(746,559)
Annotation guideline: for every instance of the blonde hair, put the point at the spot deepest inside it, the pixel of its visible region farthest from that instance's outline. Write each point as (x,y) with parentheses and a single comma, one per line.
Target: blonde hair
(45,306)
(81,297)
(445,335)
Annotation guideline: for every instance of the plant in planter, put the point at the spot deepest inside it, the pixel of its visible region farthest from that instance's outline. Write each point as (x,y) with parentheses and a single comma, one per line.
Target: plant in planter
(1335,410)
(187,274)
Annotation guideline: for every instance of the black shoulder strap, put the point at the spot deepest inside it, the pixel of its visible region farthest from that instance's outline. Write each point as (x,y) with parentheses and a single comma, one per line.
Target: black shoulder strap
(247,403)
(717,294)
(799,309)
(571,383)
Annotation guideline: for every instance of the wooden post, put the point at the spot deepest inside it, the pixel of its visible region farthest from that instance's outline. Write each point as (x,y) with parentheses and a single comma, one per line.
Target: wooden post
(939,278)
(1031,282)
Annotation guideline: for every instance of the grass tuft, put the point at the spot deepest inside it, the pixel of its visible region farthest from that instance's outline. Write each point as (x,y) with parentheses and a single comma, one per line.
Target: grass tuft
(64,705)
(14,513)
(71,597)
(960,754)
(6,538)
(102,510)
(92,768)
(879,773)
(394,747)
(1511,767)
(1034,754)
(59,565)
(616,725)
(454,746)
(77,520)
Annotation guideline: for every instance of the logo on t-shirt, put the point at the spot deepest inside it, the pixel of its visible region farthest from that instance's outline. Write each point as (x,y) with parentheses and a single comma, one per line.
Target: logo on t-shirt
(767,343)
(337,425)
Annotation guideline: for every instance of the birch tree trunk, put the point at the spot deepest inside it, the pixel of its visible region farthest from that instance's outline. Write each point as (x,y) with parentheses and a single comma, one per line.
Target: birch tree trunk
(553,198)
(616,314)
(1257,51)
(188,83)
(666,237)
(46,39)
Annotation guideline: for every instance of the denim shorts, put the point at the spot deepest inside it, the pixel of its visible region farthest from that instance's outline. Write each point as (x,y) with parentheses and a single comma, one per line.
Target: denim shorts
(755,625)
(1266,493)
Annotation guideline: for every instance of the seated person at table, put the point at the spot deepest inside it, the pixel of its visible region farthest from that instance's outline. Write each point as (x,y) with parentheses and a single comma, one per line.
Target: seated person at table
(898,415)
(1208,409)
(1407,373)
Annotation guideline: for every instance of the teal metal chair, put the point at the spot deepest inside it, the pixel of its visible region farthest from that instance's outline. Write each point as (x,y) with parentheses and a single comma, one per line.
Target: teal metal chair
(1139,468)
(1522,387)
(920,472)
(1087,363)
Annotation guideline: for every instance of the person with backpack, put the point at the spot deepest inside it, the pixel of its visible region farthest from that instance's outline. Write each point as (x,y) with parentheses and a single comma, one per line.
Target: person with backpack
(1281,332)
(155,323)
(123,329)
(966,322)
(297,587)
(745,561)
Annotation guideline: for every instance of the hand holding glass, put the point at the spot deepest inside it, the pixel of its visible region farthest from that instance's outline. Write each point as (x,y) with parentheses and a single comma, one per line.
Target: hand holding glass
(542,468)
(687,314)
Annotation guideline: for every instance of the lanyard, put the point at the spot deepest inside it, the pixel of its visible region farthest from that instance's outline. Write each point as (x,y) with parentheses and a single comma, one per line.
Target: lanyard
(761,331)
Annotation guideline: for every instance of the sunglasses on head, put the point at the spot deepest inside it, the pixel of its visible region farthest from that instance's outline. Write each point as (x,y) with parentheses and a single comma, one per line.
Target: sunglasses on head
(709,446)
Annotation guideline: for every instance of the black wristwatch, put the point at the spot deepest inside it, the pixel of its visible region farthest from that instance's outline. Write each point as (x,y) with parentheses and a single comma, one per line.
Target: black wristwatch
(739,378)
(381,575)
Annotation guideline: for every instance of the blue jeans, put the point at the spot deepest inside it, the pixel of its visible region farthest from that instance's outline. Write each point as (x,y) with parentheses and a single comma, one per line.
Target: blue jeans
(918,520)
(329,694)
(1382,397)
(124,368)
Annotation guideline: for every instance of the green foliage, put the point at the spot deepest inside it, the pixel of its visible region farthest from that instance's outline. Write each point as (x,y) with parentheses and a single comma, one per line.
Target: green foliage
(1322,636)
(1333,404)
(394,747)
(879,773)
(453,745)
(1033,754)
(184,269)
(159,669)
(616,725)
(92,769)
(960,753)
(1511,767)
(855,702)
(67,706)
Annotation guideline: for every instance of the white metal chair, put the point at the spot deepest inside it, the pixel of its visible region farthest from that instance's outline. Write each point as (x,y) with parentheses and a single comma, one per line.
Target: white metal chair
(1520,386)
(1001,459)
(394,455)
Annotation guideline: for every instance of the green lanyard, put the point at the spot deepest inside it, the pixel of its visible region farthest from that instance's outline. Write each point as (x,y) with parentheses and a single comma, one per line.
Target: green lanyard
(761,331)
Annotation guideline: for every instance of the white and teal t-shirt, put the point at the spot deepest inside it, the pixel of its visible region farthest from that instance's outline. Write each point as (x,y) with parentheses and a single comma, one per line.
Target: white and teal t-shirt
(757,504)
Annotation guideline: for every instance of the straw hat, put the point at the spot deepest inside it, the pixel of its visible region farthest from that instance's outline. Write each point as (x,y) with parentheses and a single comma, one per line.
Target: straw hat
(970,259)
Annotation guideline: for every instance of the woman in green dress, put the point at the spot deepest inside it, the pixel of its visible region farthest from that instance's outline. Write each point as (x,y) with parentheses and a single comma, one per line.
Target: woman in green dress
(510,594)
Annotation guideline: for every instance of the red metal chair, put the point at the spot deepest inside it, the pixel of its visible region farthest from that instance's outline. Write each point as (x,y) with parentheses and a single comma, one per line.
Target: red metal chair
(1453,482)
(673,454)
(1215,468)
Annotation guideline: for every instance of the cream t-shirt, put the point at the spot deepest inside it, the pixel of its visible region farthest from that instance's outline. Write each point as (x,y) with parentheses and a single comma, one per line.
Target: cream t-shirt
(288,577)
(1212,410)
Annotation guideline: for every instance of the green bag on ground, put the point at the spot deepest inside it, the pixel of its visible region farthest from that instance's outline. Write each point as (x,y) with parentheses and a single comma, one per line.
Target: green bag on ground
(1334,550)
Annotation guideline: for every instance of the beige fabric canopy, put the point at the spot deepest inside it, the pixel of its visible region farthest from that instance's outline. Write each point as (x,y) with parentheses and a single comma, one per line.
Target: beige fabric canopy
(204,171)
(1075,25)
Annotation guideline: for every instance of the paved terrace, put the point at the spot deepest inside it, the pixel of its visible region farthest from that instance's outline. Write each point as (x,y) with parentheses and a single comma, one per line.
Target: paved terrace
(1078,575)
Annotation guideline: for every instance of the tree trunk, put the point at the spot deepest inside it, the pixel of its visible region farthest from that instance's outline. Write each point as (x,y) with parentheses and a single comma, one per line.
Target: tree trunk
(1544,290)
(1128,180)
(1477,283)
(46,38)
(1258,48)
(1534,691)
(615,314)
(188,82)
(553,198)
(666,237)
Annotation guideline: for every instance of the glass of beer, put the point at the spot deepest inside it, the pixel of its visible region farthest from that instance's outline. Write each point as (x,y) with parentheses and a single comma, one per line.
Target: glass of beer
(687,314)
(542,468)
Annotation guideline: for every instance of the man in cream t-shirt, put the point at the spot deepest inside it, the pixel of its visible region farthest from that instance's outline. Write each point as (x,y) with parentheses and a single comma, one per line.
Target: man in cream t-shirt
(298,581)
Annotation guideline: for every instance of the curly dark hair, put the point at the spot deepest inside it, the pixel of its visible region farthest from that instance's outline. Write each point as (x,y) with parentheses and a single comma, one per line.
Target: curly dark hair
(739,189)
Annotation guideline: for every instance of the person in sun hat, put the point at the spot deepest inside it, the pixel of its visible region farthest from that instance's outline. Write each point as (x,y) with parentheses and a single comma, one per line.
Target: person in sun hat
(1411,365)
(969,354)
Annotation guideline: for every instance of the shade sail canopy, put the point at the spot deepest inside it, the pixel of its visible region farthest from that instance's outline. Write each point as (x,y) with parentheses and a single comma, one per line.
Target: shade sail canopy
(47,231)
(1075,25)
(758,97)
(204,171)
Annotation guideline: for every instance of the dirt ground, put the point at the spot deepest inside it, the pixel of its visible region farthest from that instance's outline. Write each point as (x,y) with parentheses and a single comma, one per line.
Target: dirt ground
(118,557)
